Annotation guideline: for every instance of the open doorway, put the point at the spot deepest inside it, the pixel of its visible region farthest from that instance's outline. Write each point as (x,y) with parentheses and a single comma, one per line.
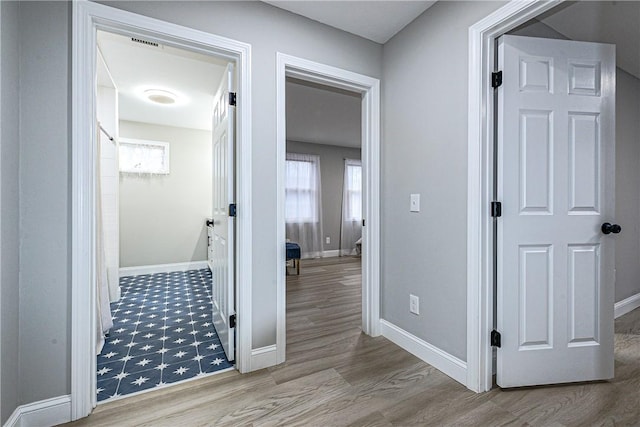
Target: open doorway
(481,134)
(161,278)
(313,75)
(613,27)
(323,219)
(90,17)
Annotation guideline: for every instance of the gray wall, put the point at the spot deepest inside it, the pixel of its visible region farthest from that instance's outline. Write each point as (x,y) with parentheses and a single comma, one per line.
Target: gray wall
(45,162)
(162,217)
(45,215)
(9,225)
(627,185)
(535,28)
(424,151)
(332,177)
(268,30)
(627,169)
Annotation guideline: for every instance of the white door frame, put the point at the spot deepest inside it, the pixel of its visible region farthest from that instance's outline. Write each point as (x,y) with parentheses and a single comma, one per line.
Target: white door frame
(88,17)
(291,66)
(0,207)
(482,51)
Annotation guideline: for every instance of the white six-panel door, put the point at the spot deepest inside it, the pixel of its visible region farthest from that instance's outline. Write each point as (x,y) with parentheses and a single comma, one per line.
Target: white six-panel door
(556,182)
(223,224)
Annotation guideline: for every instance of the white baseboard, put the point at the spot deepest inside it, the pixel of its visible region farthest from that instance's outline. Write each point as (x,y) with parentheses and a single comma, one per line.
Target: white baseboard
(439,359)
(263,357)
(162,268)
(626,305)
(14,419)
(324,254)
(47,412)
(329,254)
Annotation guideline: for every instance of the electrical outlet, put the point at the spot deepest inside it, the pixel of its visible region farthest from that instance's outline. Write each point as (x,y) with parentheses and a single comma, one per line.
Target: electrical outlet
(327,240)
(414,304)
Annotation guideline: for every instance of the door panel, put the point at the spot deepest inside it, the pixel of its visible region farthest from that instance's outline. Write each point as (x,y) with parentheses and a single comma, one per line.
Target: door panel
(223,264)
(584,163)
(556,182)
(584,282)
(536,305)
(536,172)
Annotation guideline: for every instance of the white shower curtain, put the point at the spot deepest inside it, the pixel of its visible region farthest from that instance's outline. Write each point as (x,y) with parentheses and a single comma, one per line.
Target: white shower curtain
(303,209)
(351,227)
(104,319)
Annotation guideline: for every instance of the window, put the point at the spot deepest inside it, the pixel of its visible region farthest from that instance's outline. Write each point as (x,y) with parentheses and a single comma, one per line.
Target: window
(351,229)
(302,188)
(140,156)
(353,191)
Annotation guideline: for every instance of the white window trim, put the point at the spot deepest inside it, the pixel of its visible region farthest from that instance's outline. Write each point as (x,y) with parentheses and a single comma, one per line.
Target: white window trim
(167,155)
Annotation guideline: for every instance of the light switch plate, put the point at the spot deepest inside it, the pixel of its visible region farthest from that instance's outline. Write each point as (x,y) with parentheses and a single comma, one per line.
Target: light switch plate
(414,203)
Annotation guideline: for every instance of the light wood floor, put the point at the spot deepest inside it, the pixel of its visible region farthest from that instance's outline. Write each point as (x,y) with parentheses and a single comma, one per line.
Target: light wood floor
(335,376)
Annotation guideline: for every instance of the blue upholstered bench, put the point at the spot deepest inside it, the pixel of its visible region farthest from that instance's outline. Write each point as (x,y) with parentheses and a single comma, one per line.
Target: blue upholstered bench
(293,253)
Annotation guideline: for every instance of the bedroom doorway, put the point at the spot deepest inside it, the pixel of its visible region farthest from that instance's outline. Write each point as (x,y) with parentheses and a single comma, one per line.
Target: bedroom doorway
(323,219)
(296,75)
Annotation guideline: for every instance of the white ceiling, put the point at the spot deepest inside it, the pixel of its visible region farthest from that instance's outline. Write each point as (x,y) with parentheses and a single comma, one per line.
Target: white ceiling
(374,20)
(315,114)
(616,22)
(135,67)
(322,115)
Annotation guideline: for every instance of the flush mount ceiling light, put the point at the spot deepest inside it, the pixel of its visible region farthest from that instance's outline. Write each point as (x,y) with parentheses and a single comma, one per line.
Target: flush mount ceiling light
(160,96)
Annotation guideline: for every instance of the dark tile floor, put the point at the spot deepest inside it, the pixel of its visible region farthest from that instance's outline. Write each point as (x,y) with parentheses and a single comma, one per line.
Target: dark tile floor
(162,333)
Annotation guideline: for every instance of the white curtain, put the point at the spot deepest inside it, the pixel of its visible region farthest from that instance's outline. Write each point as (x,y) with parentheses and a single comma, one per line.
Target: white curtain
(351,228)
(303,209)
(104,319)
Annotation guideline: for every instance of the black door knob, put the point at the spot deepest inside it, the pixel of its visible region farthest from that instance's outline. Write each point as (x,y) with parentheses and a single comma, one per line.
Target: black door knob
(608,228)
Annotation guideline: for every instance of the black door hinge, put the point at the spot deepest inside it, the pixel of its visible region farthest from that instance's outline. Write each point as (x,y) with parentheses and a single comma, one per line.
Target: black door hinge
(232,99)
(496,209)
(232,209)
(232,321)
(496,79)
(496,339)
(363,222)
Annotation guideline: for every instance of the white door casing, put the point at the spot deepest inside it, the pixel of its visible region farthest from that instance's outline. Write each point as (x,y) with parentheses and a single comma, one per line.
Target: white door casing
(223,289)
(369,87)
(556,136)
(87,18)
(483,36)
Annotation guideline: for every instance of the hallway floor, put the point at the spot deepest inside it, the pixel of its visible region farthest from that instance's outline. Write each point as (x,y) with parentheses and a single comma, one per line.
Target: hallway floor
(162,333)
(337,376)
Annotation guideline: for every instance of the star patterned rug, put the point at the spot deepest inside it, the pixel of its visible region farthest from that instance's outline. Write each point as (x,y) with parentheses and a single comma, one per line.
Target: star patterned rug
(162,333)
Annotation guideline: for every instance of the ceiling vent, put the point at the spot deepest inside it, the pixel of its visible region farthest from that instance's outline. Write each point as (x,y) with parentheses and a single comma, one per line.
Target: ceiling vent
(145,42)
